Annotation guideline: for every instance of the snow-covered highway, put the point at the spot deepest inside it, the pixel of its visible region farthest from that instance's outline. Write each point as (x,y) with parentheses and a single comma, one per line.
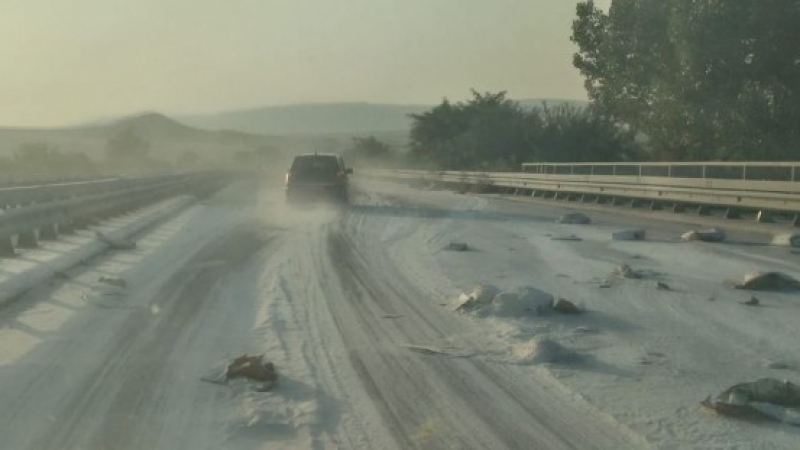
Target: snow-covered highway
(356,308)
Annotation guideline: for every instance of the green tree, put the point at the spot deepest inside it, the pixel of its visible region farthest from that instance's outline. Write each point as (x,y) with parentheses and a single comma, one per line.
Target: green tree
(491,132)
(702,79)
(369,147)
(126,146)
(39,160)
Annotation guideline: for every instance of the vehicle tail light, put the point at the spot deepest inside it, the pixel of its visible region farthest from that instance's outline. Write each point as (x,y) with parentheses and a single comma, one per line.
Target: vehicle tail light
(288,177)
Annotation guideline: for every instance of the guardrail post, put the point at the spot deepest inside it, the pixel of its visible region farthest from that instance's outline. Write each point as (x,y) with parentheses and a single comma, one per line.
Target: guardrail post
(29,239)
(703,210)
(732,213)
(678,208)
(7,247)
(764,216)
(655,206)
(49,232)
(796,220)
(65,227)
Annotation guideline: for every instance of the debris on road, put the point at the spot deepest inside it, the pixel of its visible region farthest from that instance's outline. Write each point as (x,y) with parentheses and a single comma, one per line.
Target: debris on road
(458,247)
(425,350)
(712,235)
(480,296)
(488,300)
(752,302)
(111,281)
(565,306)
(254,368)
(542,351)
(766,398)
(661,286)
(628,235)
(786,240)
(574,219)
(625,271)
(570,237)
(115,244)
(520,302)
(768,281)
(777,365)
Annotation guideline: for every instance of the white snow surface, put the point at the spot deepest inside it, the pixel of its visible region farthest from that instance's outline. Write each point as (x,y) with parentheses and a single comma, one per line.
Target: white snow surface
(357,309)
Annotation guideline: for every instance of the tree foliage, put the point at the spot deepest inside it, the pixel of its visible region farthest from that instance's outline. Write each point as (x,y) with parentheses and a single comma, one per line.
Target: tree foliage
(368,148)
(702,79)
(492,132)
(126,146)
(41,161)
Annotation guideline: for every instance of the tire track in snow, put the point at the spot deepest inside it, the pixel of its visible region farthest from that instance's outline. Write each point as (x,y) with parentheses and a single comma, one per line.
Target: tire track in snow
(118,407)
(478,408)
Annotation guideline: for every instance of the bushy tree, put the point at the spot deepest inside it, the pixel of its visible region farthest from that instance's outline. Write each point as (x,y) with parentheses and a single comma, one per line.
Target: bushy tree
(702,79)
(126,146)
(491,132)
(41,161)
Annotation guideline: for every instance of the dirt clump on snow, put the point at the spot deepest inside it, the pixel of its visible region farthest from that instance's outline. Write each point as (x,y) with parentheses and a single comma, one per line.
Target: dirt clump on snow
(766,398)
(661,286)
(116,244)
(752,302)
(628,235)
(111,281)
(786,239)
(626,271)
(565,306)
(542,351)
(488,300)
(522,301)
(768,281)
(711,235)
(574,219)
(569,237)
(255,368)
(458,247)
(481,295)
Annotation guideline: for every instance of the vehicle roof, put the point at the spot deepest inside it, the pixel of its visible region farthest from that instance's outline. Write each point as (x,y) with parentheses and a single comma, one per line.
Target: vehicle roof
(335,155)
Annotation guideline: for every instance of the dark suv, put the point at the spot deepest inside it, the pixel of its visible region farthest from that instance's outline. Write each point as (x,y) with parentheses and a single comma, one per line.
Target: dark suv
(318,177)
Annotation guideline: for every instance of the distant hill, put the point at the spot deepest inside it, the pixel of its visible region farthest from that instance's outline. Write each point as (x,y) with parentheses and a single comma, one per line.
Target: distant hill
(168,138)
(333,118)
(326,118)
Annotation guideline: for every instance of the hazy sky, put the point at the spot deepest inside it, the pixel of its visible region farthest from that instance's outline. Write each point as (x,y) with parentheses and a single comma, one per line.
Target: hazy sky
(70,61)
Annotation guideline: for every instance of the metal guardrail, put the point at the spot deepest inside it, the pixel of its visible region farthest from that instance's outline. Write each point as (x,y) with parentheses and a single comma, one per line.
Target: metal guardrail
(742,171)
(17,196)
(77,204)
(764,196)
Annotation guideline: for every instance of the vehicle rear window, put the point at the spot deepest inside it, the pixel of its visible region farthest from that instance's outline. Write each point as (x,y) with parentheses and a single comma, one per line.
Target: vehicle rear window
(315,163)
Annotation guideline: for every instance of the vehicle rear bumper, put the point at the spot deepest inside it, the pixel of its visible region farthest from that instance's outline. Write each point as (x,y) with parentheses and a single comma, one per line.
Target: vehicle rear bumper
(316,192)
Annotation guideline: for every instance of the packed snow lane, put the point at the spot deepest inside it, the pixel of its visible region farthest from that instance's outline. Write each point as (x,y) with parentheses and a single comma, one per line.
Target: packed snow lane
(88,364)
(408,372)
(350,305)
(650,346)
